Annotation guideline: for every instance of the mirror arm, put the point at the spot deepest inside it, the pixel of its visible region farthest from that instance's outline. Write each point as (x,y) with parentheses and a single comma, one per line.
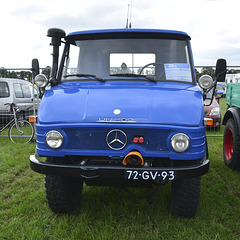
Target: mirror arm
(214,89)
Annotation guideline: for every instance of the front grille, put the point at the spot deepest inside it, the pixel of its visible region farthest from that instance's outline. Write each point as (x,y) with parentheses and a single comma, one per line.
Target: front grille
(95,138)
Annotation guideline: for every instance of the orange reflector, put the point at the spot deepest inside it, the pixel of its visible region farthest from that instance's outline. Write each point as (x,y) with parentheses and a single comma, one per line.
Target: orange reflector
(32,119)
(208,121)
(137,156)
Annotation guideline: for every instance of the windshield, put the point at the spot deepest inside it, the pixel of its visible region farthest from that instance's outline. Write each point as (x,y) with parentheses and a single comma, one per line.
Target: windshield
(109,59)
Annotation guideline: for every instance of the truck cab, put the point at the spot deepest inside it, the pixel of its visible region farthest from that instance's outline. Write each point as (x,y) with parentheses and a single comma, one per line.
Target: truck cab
(122,109)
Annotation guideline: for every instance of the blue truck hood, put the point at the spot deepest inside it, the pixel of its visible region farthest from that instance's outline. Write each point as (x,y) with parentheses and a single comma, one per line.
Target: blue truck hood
(161,103)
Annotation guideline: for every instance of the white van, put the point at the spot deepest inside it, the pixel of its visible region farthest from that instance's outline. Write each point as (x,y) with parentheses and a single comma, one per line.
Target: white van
(19,92)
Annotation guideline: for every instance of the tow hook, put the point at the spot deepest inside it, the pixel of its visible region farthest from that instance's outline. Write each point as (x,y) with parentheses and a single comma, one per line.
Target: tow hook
(133,158)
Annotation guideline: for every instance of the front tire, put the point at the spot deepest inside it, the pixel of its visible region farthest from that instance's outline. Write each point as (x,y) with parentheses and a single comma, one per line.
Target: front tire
(63,193)
(185,196)
(231,145)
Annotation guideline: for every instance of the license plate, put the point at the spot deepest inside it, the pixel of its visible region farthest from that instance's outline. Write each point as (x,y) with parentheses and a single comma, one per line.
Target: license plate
(150,175)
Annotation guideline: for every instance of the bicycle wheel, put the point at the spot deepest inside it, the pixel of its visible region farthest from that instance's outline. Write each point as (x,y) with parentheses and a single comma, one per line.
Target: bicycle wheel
(21,132)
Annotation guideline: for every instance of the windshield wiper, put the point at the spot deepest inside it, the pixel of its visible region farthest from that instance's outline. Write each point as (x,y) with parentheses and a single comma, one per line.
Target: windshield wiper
(89,76)
(133,75)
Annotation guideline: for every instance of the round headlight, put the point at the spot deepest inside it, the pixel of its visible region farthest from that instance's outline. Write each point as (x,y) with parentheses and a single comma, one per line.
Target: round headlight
(215,111)
(54,139)
(180,142)
(205,81)
(41,80)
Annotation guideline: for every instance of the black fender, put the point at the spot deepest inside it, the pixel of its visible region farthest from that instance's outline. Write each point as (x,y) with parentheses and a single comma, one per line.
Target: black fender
(232,112)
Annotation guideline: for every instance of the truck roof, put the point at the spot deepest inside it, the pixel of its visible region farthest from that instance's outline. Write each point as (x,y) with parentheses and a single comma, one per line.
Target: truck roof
(128,33)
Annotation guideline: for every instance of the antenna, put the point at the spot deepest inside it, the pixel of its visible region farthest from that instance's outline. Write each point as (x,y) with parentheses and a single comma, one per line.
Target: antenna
(129,16)
(130,22)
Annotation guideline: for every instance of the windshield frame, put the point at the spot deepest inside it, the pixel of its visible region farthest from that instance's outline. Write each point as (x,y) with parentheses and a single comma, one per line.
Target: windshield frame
(71,41)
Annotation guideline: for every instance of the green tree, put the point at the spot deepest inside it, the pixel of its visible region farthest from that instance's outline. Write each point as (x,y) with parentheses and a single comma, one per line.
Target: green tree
(47,71)
(3,72)
(198,74)
(233,71)
(208,70)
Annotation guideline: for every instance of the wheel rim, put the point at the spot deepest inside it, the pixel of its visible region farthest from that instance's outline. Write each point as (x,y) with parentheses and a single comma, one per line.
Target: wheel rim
(228,144)
(21,132)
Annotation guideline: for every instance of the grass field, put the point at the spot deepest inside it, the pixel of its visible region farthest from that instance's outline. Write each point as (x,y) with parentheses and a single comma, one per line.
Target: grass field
(108,213)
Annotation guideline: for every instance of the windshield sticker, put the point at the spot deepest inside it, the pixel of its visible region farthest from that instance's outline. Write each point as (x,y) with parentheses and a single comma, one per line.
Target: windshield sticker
(178,72)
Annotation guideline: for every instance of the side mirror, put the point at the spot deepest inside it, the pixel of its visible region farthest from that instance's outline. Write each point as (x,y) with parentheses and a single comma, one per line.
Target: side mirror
(221,69)
(35,67)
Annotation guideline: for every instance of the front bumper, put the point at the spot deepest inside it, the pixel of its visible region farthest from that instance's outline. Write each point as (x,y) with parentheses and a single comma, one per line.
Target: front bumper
(113,172)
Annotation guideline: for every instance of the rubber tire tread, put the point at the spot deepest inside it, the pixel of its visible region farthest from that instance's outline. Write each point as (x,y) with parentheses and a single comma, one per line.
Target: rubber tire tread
(185,196)
(63,193)
(234,162)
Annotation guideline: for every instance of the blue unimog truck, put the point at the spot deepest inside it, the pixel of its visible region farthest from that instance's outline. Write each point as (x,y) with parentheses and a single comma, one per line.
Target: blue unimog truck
(122,108)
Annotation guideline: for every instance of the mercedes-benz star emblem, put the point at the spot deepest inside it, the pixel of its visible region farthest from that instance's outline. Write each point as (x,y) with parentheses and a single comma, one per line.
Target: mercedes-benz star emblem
(116,139)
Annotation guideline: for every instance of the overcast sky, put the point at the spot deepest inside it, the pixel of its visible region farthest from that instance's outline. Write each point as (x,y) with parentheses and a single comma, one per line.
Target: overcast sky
(212,24)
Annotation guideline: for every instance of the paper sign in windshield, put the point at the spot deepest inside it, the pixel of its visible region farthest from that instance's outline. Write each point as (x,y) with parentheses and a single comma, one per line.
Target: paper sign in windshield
(178,72)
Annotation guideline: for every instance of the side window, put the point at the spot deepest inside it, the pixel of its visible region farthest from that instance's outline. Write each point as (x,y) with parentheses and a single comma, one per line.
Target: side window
(4,90)
(18,90)
(21,90)
(26,91)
